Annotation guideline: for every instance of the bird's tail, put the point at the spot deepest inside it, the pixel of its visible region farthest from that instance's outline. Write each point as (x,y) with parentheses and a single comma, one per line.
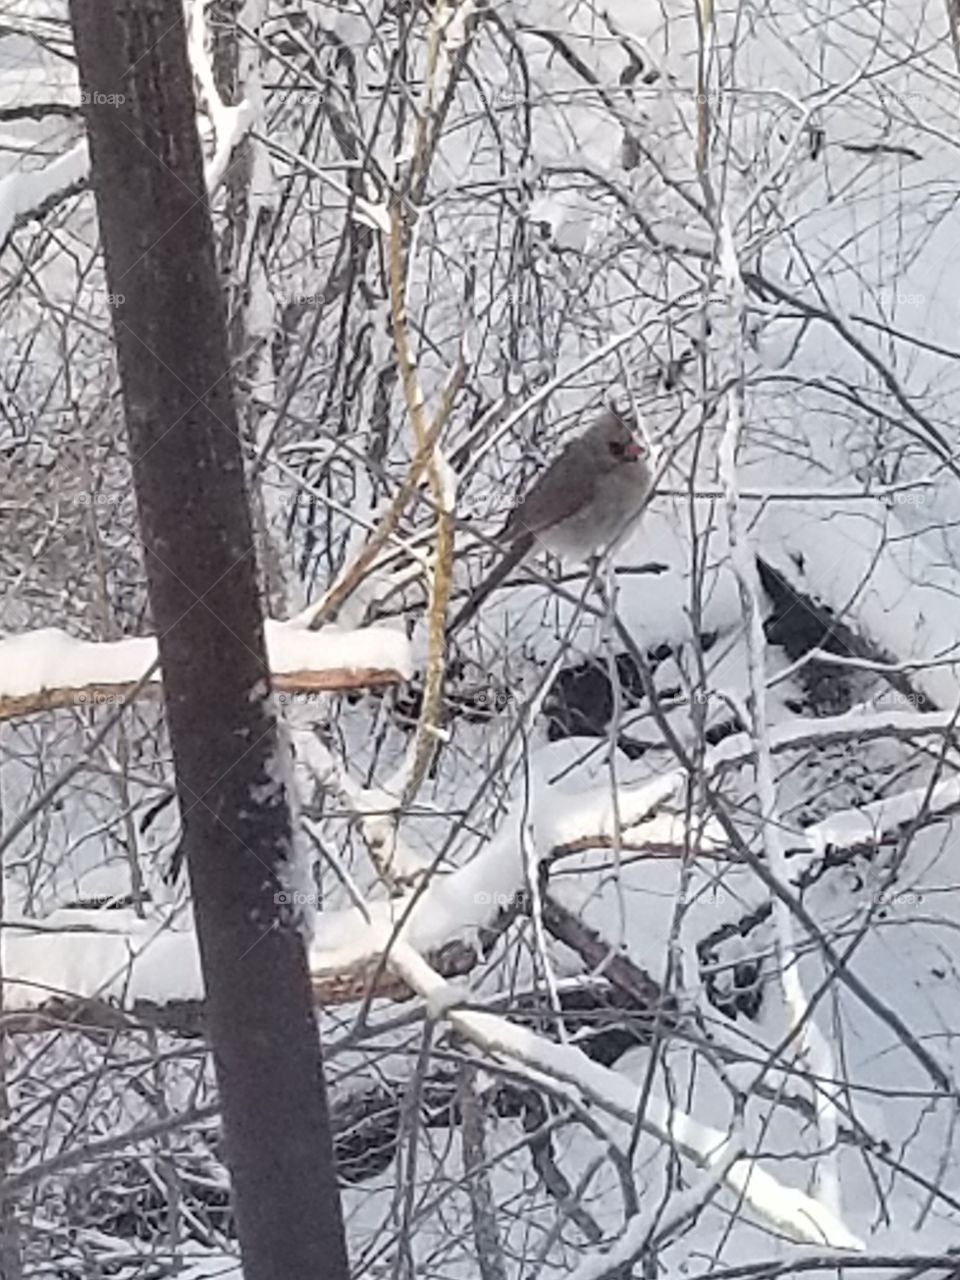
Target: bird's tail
(517,551)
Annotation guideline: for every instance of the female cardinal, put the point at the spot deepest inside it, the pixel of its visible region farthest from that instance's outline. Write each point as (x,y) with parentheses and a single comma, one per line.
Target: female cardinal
(585,502)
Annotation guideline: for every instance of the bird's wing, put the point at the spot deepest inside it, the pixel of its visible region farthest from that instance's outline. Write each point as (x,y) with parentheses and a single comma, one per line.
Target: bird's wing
(565,488)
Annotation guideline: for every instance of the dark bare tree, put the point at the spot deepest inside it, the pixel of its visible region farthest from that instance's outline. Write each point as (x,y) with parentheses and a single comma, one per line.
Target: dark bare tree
(171,339)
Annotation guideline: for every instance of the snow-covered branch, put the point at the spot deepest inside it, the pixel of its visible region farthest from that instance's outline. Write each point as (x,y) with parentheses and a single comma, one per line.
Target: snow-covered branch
(42,670)
(26,192)
(782,1207)
(114,968)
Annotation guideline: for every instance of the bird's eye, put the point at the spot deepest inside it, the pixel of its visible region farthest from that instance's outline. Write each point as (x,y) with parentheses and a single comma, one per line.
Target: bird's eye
(616,448)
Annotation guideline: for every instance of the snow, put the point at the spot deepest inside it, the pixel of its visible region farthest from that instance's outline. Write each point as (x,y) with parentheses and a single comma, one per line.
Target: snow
(52,659)
(647,1225)
(447,478)
(229,124)
(455,904)
(374,807)
(788,1209)
(211,1268)
(233,124)
(111,955)
(858,559)
(25,191)
(866,824)
(295,877)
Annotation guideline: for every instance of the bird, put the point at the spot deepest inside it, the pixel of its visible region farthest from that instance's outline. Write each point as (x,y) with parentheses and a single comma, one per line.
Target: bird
(585,502)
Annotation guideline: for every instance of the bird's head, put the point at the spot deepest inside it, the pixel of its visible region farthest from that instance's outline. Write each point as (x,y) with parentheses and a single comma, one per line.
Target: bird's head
(617,440)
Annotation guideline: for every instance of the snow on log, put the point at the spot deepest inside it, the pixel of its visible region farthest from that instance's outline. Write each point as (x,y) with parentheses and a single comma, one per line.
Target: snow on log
(42,670)
(81,955)
(859,562)
(113,968)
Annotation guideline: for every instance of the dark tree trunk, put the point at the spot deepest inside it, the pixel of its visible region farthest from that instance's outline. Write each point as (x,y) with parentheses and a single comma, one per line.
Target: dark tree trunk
(10,1268)
(170,330)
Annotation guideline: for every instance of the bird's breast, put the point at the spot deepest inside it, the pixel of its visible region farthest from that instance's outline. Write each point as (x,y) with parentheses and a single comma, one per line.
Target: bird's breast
(618,499)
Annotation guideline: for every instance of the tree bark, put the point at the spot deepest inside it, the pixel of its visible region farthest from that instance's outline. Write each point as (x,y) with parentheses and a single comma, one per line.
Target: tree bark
(170,331)
(10,1259)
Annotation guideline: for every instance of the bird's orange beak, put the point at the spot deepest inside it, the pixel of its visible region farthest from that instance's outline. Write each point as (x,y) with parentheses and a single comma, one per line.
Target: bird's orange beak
(633,450)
